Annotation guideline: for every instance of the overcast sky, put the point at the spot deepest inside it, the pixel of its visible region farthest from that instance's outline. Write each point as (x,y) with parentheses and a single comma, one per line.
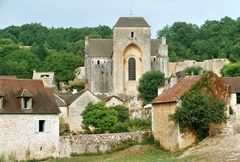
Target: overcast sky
(82,13)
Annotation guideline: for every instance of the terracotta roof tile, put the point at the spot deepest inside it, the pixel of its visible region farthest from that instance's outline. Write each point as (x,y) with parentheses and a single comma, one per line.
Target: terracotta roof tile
(42,98)
(174,93)
(234,82)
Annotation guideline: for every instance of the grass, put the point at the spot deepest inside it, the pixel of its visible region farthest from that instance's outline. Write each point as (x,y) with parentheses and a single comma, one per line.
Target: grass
(138,153)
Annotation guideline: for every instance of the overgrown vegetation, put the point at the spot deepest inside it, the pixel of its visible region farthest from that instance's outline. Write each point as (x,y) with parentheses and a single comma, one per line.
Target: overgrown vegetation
(148,85)
(98,118)
(199,109)
(195,70)
(231,70)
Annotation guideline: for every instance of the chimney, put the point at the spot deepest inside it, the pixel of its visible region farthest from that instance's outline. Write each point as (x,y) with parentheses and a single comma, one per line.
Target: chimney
(74,91)
(173,81)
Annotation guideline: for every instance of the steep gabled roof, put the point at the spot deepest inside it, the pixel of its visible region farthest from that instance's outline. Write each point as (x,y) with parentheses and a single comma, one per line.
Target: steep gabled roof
(174,93)
(43,101)
(154,46)
(234,82)
(131,22)
(100,48)
(72,98)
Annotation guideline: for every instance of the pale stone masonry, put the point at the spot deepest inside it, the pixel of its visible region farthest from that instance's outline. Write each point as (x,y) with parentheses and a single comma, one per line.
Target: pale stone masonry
(29,120)
(115,65)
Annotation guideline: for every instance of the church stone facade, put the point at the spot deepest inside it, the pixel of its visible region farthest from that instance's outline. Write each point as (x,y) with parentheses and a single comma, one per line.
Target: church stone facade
(115,65)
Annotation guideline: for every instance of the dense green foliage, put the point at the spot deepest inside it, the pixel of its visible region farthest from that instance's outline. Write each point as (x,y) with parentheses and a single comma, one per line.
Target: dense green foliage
(192,70)
(113,119)
(148,85)
(35,47)
(231,70)
(200,109)
(214,39)
(122,112)
(98,116)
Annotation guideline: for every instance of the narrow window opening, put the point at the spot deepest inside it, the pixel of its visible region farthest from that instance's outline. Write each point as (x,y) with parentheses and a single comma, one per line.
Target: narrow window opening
(132,34)
(131,69)
(154,59)
(98,62)
(41,125)
(238,98)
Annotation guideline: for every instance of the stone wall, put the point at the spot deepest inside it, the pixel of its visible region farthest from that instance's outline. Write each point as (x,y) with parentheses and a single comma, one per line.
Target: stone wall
(20,138)
(214,65)
(166,131)
(96,143)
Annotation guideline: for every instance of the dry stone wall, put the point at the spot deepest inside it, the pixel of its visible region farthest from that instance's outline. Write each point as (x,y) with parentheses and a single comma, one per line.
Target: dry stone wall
(96,143)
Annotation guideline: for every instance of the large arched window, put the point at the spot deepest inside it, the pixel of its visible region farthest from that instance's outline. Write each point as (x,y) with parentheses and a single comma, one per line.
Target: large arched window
(131,69)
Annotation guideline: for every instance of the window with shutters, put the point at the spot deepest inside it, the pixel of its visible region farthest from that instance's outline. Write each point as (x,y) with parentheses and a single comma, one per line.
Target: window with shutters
(42,126)
(131,69)
(238,98)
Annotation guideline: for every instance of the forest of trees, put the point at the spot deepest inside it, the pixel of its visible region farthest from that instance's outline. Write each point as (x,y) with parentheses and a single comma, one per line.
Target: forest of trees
(214,39)
(35,47)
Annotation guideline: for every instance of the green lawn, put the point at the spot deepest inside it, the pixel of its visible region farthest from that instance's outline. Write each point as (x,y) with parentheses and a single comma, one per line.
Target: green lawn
(139,153)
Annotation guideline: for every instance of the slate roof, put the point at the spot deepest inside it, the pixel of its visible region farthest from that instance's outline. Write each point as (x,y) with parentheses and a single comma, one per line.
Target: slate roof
(154,46)
(234,83)
(60,102)
(42,98)
(100,47)
(72,98)
(174,93)
(104,47)
(105,98)
(131,22)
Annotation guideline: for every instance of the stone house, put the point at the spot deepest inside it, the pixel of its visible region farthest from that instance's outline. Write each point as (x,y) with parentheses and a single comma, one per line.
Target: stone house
(115,65)
(165,130)
(29,119)
(111,100)
(234,83)
(76,103)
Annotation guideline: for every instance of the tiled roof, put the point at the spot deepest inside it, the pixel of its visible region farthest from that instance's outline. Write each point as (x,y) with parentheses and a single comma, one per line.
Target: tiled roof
(100,47)
(131,22)
(72,98)
(234,82)
(1,94)
(43,101)
(174,93)
(24,93)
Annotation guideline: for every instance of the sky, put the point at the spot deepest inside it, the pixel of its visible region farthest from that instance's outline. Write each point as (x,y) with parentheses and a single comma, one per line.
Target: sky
(91,13)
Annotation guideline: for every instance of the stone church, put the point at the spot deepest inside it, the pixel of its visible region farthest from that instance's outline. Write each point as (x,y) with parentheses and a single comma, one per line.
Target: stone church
(115,65)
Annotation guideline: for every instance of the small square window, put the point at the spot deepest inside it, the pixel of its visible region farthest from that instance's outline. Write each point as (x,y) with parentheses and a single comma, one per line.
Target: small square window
(238,98)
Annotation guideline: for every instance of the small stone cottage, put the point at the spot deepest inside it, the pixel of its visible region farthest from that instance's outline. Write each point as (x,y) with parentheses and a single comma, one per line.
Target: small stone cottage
(165,130)
(234,83)
(75,106)
(29,120)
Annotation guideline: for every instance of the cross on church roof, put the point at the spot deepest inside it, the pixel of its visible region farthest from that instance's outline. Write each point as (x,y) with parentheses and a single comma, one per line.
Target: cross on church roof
(131,12)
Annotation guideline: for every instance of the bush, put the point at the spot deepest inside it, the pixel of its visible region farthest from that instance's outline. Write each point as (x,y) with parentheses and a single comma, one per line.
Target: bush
(148,85)
(123,113)
(198,111)
(98,116)
(192,70)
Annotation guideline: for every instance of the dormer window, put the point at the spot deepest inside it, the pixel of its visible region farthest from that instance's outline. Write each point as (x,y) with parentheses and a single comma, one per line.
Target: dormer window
(26,98)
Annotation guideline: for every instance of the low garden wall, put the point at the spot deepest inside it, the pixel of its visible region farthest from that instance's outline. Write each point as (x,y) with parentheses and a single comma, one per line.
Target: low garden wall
(97,143)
